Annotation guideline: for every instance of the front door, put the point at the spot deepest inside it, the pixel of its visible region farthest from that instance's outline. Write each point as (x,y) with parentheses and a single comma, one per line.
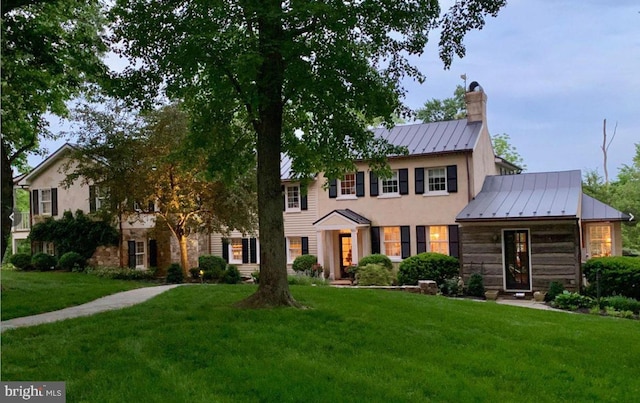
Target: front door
(517,268)
(345,254)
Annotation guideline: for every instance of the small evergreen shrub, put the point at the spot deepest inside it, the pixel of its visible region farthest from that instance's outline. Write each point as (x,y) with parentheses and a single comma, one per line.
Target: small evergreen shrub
(72,261)
(21,261)
(374,274)
(620,303)
(174,274)
(195,273)
(555,289)
(43,262)
(619,275)
(121,273)
(428,266)
(376,258)
(573,301)
(451,287)
(213,267)
(475,288)
(231,275)
(304,264)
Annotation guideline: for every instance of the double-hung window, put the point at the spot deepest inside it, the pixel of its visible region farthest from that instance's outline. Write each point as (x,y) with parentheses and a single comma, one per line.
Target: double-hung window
(140,254)
(293,198)
(437,178)
(45,201)
(391,241)
(235,246)
(438,240)
(348,185)
(599,240)
(389,185)
(294,248)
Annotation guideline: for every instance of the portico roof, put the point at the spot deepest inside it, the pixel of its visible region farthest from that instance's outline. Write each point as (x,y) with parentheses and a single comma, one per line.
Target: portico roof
(342,219)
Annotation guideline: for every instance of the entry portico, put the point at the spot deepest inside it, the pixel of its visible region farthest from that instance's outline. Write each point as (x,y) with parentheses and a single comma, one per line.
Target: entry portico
(343,238)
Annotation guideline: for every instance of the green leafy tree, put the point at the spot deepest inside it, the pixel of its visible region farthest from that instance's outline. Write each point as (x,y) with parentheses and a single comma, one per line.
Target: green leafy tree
(437,110)
(49,50)
(502,147)
(305,77)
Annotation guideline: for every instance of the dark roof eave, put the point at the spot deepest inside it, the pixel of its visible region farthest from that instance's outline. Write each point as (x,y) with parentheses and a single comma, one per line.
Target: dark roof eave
(505,219)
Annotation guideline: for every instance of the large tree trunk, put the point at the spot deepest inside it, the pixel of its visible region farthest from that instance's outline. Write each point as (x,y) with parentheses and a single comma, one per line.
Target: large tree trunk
(6,176)
(273,289)
(184,254)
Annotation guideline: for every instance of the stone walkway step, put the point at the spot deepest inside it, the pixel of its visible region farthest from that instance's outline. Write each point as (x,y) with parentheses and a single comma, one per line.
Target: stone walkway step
(110,302)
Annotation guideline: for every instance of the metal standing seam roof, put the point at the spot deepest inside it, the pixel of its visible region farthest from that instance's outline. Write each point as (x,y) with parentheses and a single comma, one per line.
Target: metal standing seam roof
(420,138)
(349,214)
(528,195)
(595,210)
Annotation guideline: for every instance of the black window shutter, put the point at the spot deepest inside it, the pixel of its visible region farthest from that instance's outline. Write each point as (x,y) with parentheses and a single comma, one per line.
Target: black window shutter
(421,238)
(245,250)
(54,201)
(284,198)
(151,207)
(452,178)
(360,184)
(225,249)
(405,241)
(305,245)
(333,188)
(454,241)
(403,181)
(35,207)
(304,201)
(92,199)
(373,184)
(419,181)
(375,239)
(153,253)
(132,253)
(253,250)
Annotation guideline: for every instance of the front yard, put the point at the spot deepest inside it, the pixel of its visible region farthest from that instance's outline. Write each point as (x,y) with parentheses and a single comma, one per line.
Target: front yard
(190,344)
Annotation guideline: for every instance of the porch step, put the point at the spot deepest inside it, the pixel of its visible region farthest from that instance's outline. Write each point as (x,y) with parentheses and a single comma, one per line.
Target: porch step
(341,282)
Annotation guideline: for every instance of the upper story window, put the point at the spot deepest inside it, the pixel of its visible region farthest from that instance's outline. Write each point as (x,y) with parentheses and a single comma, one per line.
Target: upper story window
(45,201)
(437,180)
(348,185)
(389,186)
(292,194)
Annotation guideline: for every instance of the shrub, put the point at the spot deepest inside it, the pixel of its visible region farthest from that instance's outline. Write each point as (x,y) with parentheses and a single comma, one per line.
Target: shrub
(195,273)
(212,266)
(555,289)
(121,273)
(427,266)
(620,303)
(42,261)
(72,261)
(232,275)
(374,274)
(451,287)
(174,274)
(376,258)
(619,275)
(304,264)
(21,261)
(476,286)
(256,276)
(572,301)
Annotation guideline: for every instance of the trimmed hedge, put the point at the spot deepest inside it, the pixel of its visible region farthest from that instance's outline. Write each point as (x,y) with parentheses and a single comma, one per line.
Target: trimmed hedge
(619,275)
(304,263)
(43,262)
(72,261)
(374,274)
(213,267)
(376,258)
(21,261)
(428,266)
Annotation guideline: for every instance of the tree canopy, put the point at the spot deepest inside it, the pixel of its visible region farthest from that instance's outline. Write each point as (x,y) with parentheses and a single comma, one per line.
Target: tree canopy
(306,77)
(50,49)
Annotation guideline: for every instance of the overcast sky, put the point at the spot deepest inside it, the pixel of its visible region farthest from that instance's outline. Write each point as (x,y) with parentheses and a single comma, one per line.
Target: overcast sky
(552,71)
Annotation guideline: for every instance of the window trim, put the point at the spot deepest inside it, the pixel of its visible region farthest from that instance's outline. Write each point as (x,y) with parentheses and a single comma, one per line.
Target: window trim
(290,257)
(443,241)
(347,196)
(427,185)
(383,243)
(381,185)
(41,202)
(286,199)
(138,254)
(611,242)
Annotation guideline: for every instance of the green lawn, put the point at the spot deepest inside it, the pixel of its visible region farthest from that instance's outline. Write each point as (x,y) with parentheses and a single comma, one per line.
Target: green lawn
(191,345)
(30,293)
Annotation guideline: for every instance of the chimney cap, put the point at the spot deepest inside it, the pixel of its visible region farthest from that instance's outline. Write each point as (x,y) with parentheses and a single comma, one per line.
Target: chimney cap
(475,87)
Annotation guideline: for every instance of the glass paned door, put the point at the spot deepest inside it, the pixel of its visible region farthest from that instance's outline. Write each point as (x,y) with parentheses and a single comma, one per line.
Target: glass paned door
(345,254)
(517,269)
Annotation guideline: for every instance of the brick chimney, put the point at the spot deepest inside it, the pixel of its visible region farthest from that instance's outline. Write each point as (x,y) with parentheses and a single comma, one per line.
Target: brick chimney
(476,101)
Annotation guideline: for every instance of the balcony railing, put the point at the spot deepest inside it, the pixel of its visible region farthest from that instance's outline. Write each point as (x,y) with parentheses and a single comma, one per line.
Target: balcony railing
(21,221)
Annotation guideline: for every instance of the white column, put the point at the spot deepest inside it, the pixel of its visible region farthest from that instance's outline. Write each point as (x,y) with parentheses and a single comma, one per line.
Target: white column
(320,247)
(355,256)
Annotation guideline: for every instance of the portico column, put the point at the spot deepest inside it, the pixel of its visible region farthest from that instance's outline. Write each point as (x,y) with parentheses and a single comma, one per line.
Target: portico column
(320,243)
(355,255)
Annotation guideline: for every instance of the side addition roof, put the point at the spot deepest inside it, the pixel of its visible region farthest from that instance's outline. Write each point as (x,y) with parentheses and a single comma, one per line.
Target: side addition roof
(595,210)
(541,195)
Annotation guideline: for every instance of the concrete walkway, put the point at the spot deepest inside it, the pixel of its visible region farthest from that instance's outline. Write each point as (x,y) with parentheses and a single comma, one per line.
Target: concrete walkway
(528,303)
(110,302)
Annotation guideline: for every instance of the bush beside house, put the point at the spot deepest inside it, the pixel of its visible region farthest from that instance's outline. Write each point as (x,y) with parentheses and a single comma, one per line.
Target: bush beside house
(613,275)
(428,266)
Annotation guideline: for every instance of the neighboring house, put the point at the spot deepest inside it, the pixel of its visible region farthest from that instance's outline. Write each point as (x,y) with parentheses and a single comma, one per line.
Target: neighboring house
(49,198)
(522,232)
